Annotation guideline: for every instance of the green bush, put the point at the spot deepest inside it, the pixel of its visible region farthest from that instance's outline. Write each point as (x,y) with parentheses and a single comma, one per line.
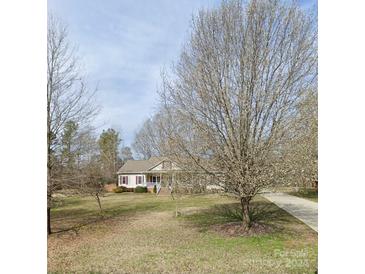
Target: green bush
(154,189)
(140,189)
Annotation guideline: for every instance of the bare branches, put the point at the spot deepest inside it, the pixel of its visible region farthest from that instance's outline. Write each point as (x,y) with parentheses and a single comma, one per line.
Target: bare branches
(68,101)
(68,98)
(302,149)
(152,138)
(236,89)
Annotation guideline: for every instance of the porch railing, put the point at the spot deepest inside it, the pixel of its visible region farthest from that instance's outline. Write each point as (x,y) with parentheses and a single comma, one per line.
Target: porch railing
(151,184)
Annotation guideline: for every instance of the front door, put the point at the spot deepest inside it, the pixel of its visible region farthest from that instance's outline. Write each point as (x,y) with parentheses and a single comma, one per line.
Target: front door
(156,179)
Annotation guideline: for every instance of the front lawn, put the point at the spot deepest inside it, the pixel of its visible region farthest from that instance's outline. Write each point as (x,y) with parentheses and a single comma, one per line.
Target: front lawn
(310,194)
(139,233)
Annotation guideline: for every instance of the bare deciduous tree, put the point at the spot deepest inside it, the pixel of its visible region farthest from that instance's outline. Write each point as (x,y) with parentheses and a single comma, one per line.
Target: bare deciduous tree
(236,89)
(68,99)
(87,177)
(126,154)
(92,173)
(301,151)
(151,139)
(143,140)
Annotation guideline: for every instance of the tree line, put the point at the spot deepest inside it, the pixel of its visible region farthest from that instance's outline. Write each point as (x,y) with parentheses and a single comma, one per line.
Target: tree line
(78,161)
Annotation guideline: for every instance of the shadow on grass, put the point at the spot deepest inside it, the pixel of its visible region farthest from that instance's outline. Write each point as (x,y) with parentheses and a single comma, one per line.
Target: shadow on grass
(262,212)
(75,228)
(76,213)
(78,219)
(65,218)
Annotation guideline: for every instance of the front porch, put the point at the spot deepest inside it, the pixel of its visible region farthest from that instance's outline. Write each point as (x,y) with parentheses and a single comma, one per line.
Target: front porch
(162,179)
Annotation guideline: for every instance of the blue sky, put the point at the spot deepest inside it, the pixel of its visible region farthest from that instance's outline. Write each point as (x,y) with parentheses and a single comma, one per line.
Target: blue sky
(123,45)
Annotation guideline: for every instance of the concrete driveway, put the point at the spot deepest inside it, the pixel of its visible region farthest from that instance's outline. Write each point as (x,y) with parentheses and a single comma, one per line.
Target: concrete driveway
(302,209)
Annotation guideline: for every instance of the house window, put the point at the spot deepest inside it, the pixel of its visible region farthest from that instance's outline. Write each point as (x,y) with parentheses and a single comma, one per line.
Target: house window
(139,180)
(155,179)
(124,180)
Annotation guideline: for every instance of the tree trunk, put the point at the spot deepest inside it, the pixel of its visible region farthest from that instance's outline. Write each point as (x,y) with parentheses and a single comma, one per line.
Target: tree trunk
(49,220)
(98,199)
(49,194)
(246,221)
(49,182)
(176,214)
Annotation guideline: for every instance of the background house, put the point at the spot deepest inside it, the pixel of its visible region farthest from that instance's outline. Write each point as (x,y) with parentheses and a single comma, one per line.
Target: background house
(159,171)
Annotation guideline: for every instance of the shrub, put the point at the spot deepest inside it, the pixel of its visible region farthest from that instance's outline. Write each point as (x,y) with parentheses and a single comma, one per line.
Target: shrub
(154,189)
(120,189)
(140,189)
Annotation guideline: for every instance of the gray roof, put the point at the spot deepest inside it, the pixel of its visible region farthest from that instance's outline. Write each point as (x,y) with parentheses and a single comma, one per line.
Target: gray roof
(138,166)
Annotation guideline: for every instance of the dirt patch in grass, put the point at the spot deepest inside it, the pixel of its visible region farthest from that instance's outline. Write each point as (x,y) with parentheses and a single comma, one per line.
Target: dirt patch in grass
(235,229)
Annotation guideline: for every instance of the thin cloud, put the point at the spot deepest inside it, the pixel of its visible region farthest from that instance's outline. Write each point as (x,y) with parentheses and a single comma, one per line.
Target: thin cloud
(123,46)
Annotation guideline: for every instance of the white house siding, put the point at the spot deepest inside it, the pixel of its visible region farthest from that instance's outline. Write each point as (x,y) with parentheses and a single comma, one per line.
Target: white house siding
(168,166)
(132,180)
(159,167)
